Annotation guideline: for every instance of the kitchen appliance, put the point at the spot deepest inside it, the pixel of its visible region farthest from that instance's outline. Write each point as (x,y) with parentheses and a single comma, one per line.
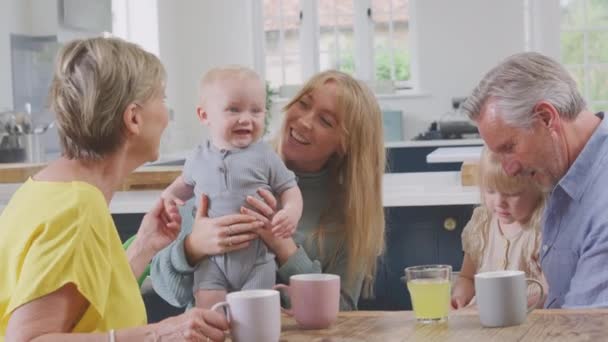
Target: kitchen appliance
(452,125)
(20,140)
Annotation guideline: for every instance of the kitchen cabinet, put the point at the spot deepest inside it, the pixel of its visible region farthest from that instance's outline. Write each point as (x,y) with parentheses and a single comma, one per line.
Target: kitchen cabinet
(416,236)
(156,307)
(410,156)
(127,224)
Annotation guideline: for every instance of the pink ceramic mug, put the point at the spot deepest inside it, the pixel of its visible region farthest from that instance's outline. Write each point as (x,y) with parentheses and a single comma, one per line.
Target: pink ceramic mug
(315,299)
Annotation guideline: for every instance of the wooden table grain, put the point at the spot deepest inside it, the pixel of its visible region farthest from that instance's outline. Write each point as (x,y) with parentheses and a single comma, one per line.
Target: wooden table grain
(393,326)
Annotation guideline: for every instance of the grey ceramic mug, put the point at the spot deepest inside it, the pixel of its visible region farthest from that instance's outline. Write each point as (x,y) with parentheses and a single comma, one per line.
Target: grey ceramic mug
(502,297)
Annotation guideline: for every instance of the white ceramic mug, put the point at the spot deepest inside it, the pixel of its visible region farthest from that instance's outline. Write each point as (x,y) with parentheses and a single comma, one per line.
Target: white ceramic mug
(502,297)
(254,315)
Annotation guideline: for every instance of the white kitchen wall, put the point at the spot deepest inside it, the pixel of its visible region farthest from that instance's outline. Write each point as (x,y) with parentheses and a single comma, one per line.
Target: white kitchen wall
(194,37)
(457,42)
(137,21)
(43,19)
(29,17)
(14,18)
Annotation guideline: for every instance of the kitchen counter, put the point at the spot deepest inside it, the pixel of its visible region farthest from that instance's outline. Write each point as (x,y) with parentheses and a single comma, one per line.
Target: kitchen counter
(144,177)
(455,154)
(427,189)
(400,190)
(124,202)
(178,157)
(432,143)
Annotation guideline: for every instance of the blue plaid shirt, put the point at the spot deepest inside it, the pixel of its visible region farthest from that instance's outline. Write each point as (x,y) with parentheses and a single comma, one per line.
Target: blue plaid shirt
(574,254)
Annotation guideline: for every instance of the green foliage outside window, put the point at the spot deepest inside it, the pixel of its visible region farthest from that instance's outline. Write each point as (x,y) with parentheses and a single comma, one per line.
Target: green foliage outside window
(573,47)
(382,63)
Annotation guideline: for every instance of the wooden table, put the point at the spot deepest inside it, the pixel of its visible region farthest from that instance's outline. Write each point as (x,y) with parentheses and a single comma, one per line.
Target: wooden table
(388,326)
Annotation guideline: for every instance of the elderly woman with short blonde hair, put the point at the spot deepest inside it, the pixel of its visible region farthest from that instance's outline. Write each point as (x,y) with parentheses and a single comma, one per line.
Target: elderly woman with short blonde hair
(64,275)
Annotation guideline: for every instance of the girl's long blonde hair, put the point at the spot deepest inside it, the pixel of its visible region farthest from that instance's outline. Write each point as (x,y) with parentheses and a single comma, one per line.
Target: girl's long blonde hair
(492,176)
(356,172)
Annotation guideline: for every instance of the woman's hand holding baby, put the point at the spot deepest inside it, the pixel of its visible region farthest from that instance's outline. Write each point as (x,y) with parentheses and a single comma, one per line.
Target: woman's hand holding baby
(265,211)
(212,236)
(281,223)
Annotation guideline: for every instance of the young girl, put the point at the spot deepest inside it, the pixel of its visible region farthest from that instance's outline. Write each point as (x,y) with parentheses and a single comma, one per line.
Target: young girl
(503,233)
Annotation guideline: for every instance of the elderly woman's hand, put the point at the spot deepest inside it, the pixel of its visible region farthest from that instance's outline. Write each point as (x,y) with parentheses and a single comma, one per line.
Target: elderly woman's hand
(282,247)
(154,234)
(157,231)
(194,325)
(212,236)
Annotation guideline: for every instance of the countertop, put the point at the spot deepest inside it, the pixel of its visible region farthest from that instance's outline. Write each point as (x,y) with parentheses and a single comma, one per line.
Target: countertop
(400,190)
(454,154)
(431,143)
(177,156)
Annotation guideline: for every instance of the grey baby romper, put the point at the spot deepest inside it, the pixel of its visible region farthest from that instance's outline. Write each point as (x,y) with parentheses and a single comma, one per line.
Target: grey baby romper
(227,177)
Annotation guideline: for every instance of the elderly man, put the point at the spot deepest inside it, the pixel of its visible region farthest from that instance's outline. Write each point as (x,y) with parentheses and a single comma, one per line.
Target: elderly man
(531,114)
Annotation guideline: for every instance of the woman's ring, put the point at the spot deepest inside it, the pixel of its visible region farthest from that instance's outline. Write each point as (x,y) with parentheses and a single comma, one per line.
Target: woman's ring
(230,241)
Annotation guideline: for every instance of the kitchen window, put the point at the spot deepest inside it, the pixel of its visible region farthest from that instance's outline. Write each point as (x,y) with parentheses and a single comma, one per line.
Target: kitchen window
(584,47)
(369,39)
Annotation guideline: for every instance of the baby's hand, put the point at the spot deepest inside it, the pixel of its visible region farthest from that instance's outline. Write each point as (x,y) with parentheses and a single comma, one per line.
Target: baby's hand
(284,223)
(458,302)
(170,208)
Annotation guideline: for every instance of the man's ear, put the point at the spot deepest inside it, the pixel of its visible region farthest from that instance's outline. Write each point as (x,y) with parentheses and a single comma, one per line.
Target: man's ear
(547,114)
(202,115)
(132,119)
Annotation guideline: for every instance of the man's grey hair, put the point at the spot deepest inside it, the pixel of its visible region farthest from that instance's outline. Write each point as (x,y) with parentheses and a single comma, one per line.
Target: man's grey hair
(519,83)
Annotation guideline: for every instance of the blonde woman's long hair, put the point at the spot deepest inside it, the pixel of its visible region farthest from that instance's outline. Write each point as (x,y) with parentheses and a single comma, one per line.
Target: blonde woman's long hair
(356,173)
(492,176)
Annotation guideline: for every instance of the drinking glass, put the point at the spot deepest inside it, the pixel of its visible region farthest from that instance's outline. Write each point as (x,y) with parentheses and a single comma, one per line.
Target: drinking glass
(429,287)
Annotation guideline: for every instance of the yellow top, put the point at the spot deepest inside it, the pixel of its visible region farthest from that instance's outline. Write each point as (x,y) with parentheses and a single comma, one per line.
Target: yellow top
(55,233)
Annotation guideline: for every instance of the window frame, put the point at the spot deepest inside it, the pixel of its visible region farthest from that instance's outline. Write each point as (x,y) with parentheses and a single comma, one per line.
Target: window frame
(363,31)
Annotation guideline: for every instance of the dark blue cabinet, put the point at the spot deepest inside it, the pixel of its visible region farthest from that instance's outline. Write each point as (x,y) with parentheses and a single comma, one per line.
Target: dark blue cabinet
(156,307)
(416,236)
(127,224)
(413,159)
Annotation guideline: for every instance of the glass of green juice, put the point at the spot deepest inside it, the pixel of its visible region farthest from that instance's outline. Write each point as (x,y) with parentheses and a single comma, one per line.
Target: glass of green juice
(429,287)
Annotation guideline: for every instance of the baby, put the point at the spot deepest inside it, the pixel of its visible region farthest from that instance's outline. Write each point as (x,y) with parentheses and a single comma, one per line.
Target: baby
(231,165)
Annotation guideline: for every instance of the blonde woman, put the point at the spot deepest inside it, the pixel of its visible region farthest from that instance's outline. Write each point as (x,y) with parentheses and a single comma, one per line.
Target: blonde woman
(64,275)
(332,139)
(503,233)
